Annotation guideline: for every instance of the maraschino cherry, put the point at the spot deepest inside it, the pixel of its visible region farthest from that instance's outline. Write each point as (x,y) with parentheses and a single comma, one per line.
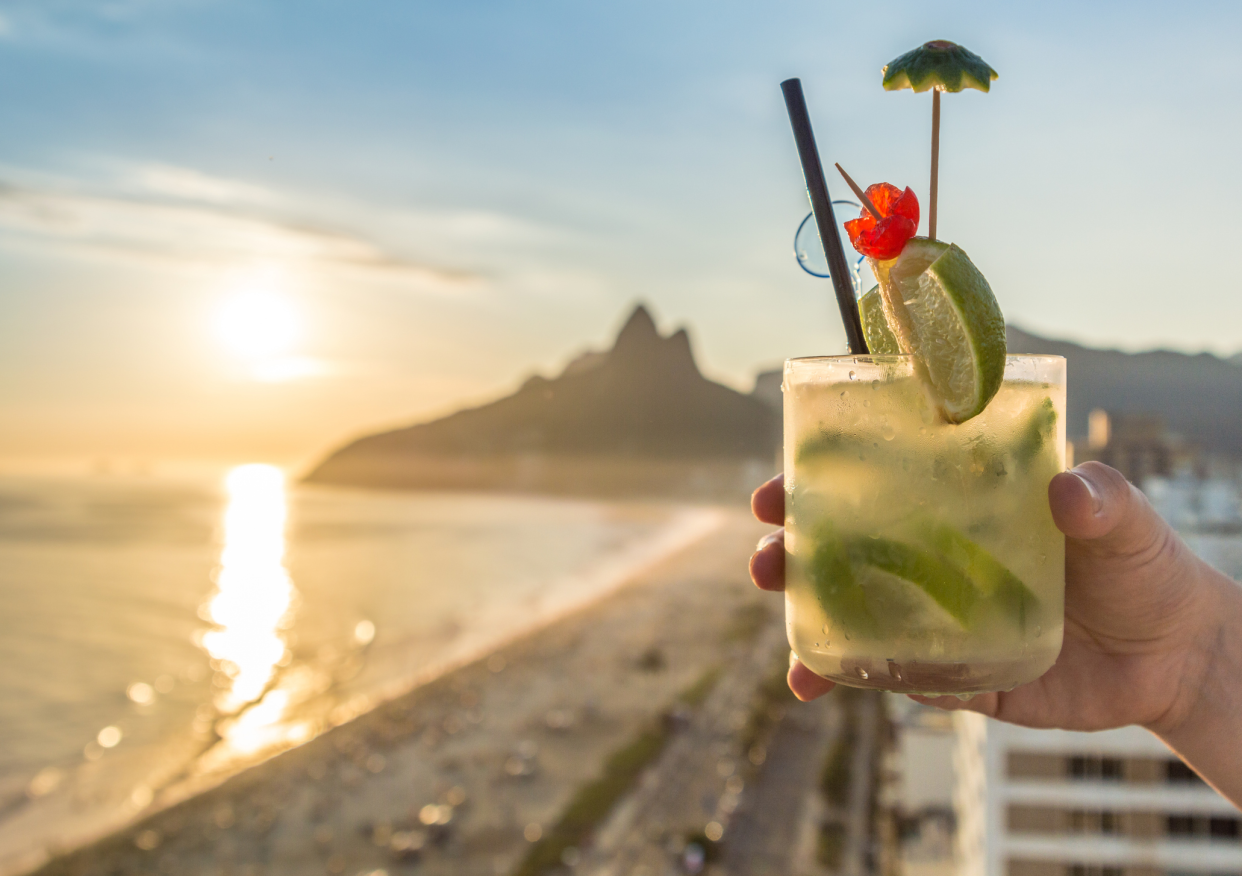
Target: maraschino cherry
(898,221)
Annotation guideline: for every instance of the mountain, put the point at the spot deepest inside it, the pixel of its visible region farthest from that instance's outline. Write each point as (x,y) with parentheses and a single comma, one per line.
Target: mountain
(1198,396)
(636,418)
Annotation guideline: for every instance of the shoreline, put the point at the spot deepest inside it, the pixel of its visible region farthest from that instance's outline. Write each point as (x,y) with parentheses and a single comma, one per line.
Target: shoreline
(684,535)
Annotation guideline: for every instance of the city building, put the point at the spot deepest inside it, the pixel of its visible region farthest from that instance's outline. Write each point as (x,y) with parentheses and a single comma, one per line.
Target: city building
(1195,492)
(919,790)
(1136,444)
(1190,504)
(1056,803)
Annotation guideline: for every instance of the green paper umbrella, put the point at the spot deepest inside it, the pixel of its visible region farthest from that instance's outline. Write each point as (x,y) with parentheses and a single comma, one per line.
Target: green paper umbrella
(937,66)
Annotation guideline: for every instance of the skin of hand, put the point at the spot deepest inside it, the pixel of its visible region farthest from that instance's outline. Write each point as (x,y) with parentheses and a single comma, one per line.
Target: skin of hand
(1153,635)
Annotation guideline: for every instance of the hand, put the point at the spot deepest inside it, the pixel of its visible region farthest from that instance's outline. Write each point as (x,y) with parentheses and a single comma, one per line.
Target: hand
(1148,626)
(767,570)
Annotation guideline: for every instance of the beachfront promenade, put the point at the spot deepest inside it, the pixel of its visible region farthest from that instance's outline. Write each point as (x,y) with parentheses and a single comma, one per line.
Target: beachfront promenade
(617,741)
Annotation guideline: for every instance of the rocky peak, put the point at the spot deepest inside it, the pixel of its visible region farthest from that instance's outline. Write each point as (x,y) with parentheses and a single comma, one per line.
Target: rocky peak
(640,344)
(639,331)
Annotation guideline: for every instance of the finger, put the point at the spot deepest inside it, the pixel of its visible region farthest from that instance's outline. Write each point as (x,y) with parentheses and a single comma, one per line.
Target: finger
(767,563)
(805,684)
(1096,503)
(768,502)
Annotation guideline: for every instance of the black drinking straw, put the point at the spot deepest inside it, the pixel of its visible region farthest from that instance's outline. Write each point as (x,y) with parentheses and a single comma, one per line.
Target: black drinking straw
(821,205)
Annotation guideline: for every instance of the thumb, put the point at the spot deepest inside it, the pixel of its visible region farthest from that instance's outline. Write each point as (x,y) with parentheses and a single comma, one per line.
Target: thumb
(1095,503)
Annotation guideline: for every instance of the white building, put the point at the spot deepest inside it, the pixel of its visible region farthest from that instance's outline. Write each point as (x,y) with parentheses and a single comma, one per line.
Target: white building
(1193,504)
(922,794)
(1056,803)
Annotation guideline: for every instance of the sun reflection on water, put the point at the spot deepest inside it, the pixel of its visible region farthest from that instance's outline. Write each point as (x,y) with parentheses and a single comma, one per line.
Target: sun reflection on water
(252,606)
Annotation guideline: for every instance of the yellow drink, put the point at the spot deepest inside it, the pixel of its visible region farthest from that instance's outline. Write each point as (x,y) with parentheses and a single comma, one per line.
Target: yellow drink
(922,556)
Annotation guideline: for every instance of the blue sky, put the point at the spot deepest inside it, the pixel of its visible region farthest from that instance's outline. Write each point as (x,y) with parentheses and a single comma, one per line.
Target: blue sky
(428,201)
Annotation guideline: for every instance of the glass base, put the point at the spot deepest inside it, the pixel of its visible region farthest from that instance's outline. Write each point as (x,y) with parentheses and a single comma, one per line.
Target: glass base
(934,679)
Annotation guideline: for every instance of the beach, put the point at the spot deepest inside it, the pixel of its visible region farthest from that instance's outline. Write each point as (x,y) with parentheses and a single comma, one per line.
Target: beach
(173,634)
(468,772)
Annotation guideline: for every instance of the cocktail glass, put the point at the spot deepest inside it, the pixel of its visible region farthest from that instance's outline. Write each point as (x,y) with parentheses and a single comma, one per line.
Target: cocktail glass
(922,556)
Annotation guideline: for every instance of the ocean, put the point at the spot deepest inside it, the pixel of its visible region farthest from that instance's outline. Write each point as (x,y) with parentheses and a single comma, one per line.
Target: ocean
(161,634)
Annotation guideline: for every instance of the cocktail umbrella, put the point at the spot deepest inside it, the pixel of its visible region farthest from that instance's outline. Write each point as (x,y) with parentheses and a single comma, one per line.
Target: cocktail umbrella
(939,66)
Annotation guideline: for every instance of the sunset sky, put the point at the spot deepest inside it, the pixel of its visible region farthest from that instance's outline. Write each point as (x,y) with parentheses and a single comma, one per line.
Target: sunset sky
(244,230)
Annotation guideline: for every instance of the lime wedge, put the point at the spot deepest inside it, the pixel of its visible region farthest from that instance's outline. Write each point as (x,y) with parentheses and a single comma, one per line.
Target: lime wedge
(940,580)
(944,313)
(987,572)
(989,575)
(960,575)
(838,591)
(880,338)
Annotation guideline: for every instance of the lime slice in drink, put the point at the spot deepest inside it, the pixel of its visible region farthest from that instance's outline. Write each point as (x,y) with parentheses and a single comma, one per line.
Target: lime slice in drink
(942,581)
(838,591)
(986,572)
(944,313)
(880,338)
(992,579)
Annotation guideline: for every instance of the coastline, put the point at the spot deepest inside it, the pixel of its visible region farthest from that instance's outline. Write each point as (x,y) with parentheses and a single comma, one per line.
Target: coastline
(706,546)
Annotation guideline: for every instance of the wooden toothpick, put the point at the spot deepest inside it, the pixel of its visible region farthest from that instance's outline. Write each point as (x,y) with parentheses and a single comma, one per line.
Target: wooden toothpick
(935,168)
(866,202)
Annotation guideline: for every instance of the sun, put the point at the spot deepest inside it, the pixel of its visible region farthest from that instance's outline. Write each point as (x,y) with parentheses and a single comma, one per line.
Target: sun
(257,324)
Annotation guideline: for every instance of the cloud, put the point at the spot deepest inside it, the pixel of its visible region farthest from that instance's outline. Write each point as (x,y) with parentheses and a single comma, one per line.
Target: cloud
(186,184)
(183,215)
(471,236)
(163,214)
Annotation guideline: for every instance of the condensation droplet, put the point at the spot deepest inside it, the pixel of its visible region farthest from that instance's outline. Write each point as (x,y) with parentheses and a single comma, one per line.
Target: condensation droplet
(1043,558)
(889,433)
(875,384)
(1039,631)
(852,375)
(866,403)
(964,697)
(844,393)
(894,669)
(862,673)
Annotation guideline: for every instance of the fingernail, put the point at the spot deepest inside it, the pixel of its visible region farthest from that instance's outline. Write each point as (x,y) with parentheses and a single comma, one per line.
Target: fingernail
(1097,501)
(770,539)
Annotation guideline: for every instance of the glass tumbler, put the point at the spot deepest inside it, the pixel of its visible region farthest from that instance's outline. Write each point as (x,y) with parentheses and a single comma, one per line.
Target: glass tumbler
(921,555)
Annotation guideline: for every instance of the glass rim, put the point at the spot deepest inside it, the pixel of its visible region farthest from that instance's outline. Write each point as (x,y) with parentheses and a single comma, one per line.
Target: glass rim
(903,357)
